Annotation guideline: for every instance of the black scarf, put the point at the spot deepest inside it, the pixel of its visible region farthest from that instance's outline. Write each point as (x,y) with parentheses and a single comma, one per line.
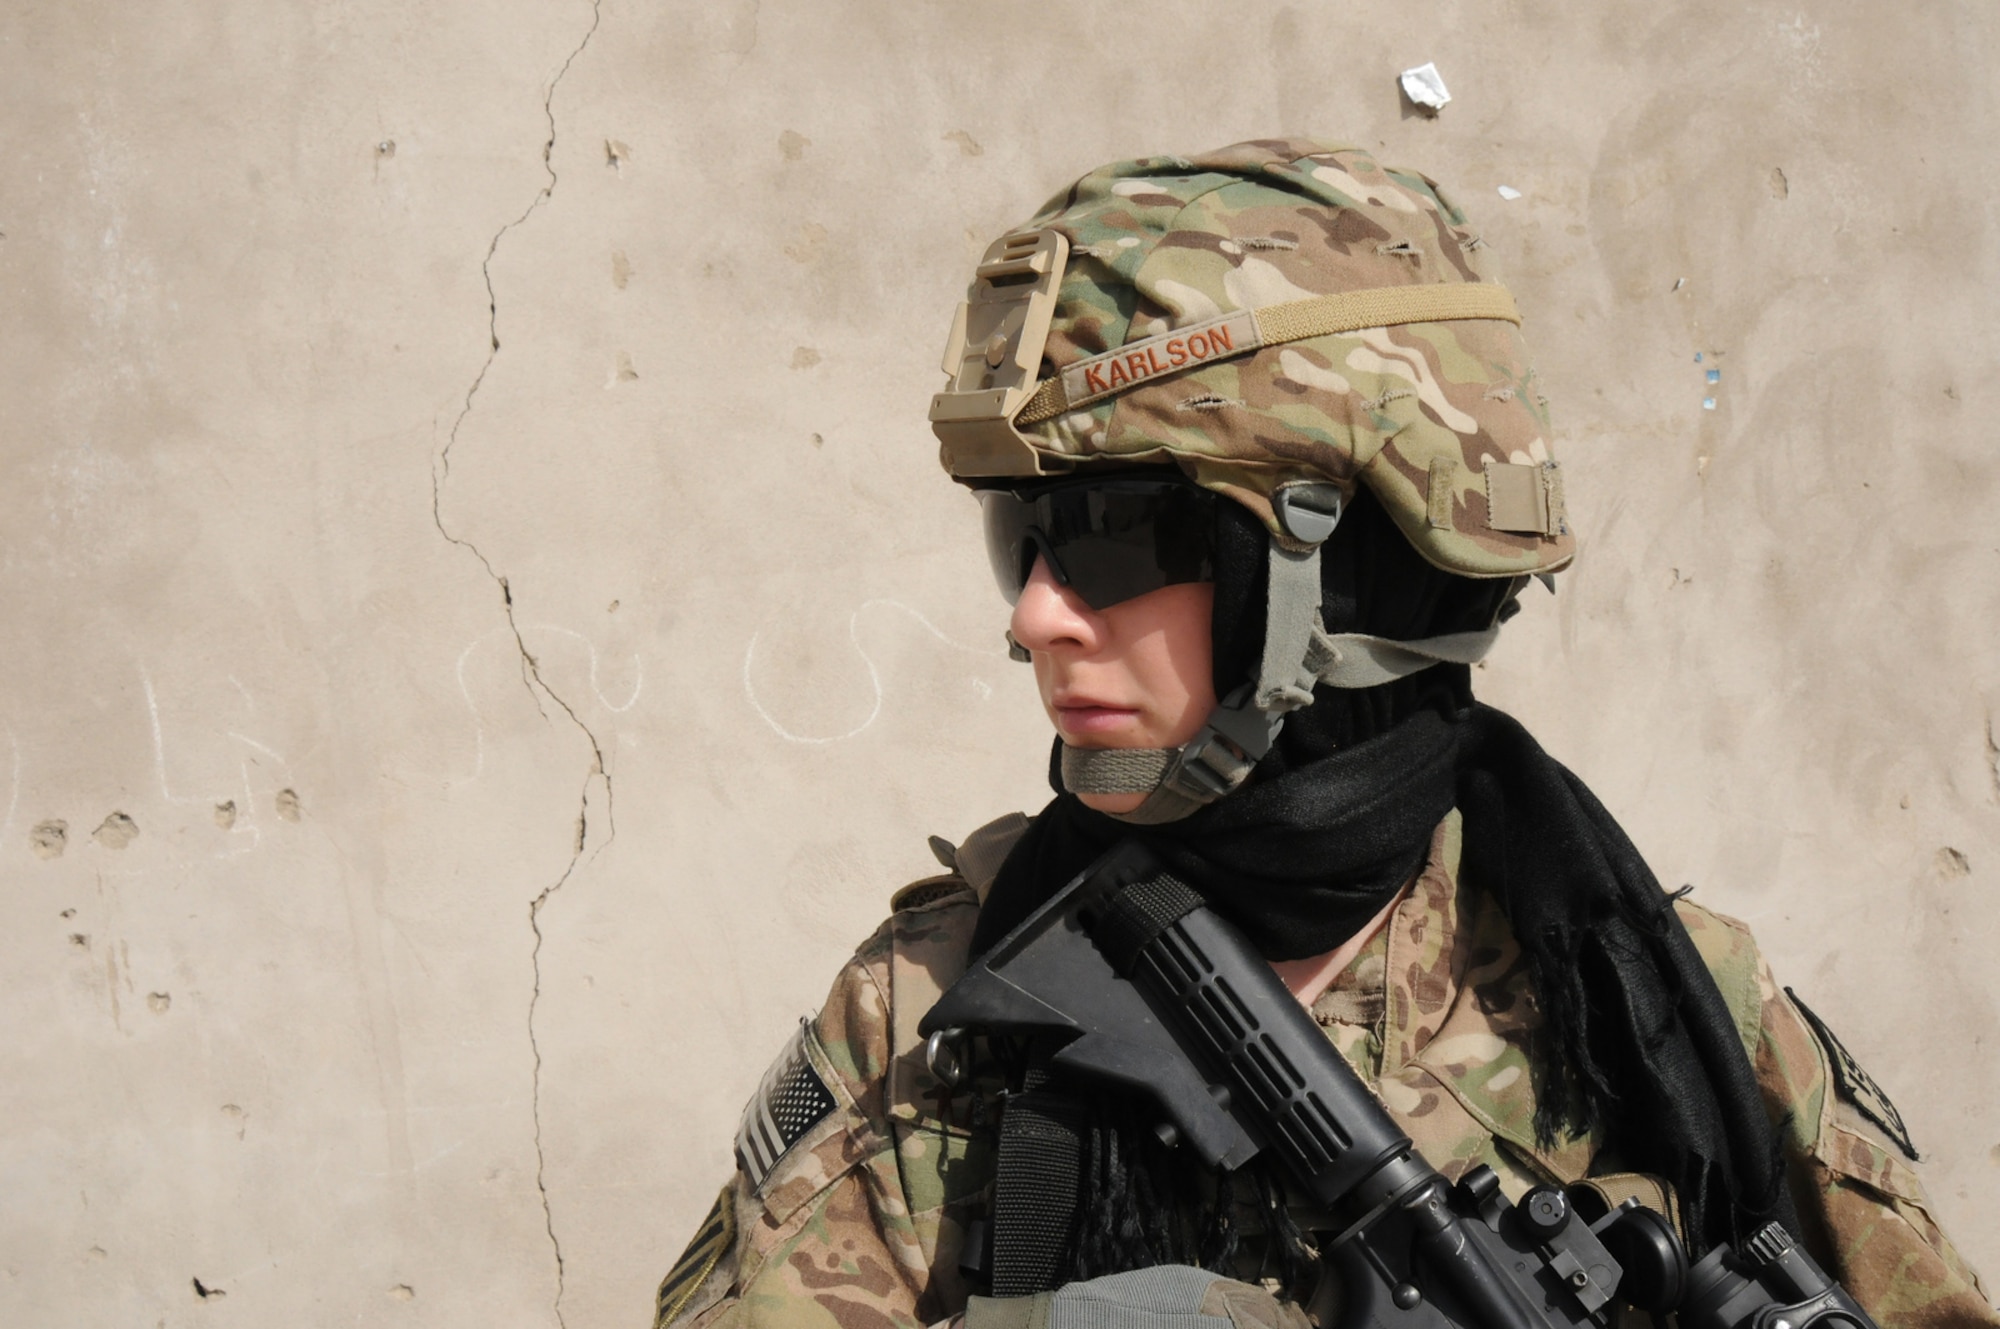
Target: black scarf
(1298,862)
(1636,1037)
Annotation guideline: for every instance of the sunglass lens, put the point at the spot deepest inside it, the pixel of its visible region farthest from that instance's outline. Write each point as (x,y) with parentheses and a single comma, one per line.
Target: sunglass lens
(1008,547)
(1106,541)
(1109,541)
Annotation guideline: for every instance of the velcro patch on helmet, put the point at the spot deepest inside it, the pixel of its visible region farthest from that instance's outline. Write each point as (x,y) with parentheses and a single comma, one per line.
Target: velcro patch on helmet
(1525,497)
(791,1100)
(1438,494)
(1855,1086)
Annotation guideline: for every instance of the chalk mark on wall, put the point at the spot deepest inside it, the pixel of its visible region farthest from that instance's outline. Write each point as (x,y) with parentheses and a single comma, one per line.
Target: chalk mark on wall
(478,720)
(868,662)
(245,821)
(638,668)
(159,741)
(478,717)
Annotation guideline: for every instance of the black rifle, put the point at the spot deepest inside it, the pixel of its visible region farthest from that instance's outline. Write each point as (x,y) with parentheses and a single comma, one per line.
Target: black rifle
(1147,989)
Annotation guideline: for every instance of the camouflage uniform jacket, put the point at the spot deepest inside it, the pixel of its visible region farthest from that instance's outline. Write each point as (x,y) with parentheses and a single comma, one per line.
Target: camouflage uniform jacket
(857,1173)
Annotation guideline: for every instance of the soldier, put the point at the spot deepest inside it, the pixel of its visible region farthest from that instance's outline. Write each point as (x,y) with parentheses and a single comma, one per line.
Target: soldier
(1263,466)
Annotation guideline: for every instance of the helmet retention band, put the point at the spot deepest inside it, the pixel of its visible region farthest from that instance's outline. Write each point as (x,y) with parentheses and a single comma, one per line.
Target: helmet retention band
(994,352)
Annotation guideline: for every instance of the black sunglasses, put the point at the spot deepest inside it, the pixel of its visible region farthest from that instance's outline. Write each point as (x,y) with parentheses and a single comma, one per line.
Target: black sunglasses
(1106,539)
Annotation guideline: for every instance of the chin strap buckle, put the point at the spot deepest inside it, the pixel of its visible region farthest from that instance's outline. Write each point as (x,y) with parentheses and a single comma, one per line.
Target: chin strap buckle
(1221,757)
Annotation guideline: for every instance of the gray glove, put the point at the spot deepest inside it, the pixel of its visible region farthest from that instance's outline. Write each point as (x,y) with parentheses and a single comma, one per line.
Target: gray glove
(1170,1296)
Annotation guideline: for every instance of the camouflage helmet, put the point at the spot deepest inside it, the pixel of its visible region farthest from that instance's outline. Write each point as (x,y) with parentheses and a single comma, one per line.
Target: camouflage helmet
(1283,320)
(1277,312)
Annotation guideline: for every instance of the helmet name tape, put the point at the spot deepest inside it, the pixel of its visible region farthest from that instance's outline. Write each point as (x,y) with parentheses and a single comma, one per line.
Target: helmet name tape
(1248,330)
(1105,375)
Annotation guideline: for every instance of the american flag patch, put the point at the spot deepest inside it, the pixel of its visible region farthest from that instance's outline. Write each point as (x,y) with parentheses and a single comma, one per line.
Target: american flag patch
(791,1100)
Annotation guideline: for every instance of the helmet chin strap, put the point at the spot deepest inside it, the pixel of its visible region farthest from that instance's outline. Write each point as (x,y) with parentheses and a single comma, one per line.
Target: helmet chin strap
(1177,781)
(1298,654)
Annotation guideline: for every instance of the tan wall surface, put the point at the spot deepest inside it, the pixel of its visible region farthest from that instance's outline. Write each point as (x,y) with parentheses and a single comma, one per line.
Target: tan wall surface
(480,729)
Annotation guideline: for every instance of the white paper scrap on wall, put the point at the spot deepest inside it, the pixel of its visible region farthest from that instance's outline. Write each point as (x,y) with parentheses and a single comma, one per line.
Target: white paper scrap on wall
(1425,86)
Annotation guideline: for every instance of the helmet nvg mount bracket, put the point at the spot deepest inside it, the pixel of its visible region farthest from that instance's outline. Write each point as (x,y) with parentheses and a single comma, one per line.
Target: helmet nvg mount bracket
(995,353)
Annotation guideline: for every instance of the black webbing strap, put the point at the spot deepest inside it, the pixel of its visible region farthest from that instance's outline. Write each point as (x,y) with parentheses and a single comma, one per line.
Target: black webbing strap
(1035,1185)
(1140,912)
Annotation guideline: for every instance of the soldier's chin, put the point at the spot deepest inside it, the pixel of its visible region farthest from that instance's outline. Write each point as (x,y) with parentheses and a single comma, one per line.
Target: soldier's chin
(1112,803)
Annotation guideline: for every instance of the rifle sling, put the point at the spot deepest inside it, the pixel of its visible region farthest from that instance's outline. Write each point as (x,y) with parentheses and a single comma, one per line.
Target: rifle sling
(1035,1186)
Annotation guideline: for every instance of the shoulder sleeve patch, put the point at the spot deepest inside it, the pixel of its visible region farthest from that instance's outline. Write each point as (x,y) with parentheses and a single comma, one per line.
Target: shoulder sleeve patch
(791,1101)
(711,1242)
(1856,1086)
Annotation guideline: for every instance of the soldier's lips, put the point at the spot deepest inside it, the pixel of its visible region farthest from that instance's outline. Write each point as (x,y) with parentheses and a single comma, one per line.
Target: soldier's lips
(1093,719)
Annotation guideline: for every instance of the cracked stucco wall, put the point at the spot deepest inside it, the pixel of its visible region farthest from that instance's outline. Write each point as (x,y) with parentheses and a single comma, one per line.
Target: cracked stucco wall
(422,421)
(598,775)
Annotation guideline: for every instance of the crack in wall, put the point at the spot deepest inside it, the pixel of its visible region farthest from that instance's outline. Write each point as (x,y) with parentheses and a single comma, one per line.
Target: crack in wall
(531,673)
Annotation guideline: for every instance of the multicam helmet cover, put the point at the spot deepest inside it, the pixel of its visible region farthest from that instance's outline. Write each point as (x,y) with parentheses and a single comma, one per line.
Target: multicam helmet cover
(1272,313)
